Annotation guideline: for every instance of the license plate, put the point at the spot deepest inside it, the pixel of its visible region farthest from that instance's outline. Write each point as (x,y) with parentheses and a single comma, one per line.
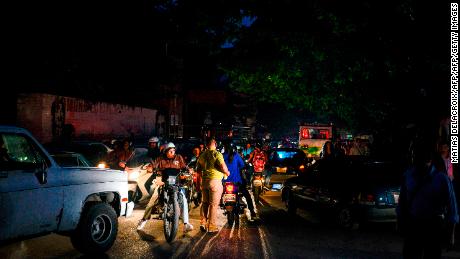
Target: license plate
(229,197)
(281,169)
(277,186)
(396,196)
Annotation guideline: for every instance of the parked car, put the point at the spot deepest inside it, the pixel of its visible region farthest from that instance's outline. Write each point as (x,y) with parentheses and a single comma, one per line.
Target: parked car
(70,159)
(284,163)
(95,152)
(37,196)
(354,190)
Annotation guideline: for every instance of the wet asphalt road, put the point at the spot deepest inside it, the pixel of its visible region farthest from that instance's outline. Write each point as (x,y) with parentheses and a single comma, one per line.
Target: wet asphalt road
(275,235)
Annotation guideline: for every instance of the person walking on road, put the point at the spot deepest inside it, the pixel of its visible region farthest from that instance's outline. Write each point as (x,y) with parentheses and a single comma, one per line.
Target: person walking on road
(212,167)
(427,208)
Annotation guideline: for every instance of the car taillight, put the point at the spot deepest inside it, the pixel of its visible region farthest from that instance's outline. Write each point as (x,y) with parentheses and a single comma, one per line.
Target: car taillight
(124,199)
(302,167)
(367,199)
(370,198)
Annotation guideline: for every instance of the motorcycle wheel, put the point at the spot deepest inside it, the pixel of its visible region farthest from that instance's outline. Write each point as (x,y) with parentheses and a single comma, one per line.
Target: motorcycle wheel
(171,218)
(196,200)
(256,195)
(230,218)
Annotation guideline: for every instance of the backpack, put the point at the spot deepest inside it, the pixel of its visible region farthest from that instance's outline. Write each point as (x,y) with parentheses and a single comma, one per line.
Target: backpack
(258,161)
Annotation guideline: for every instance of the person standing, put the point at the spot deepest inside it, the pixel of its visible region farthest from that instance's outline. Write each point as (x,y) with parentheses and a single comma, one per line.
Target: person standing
(212,167)
(427,209)
(445,154)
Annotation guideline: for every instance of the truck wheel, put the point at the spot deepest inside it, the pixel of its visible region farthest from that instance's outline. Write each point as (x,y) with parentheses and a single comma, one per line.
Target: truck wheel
(97,230)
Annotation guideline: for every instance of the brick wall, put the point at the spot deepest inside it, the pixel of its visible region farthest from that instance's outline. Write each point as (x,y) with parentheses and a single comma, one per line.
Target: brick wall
(92,120)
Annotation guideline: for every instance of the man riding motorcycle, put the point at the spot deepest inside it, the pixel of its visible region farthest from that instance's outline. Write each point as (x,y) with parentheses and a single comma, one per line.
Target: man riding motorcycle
(168,160)
(258,158)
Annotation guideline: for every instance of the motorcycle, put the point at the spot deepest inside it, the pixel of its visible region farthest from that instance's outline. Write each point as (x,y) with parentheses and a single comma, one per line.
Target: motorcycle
(232,204)
(186,180)
(196,192)
(139,177)
(257,186)
(172,200)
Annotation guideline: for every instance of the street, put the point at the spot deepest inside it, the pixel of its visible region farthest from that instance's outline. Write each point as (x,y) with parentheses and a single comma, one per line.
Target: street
(275,235)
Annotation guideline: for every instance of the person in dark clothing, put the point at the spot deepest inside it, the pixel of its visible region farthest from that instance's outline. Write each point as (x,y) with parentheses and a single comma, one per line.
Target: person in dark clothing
(427,208)
(235,164)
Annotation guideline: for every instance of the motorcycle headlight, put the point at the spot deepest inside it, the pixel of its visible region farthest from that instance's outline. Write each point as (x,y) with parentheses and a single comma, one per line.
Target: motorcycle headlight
(171,180)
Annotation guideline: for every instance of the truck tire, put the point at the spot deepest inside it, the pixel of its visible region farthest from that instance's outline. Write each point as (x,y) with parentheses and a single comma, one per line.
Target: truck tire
(97,230)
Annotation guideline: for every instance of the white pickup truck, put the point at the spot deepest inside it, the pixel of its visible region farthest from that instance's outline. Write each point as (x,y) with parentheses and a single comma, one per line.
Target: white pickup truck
(38,197)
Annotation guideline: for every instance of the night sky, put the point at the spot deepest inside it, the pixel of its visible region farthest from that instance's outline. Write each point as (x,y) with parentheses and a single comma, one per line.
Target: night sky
(115,51)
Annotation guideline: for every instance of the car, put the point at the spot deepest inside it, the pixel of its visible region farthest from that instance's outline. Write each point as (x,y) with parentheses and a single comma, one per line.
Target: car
(37,196)
(70,159)
(284,163)
(353,190)
(94,151)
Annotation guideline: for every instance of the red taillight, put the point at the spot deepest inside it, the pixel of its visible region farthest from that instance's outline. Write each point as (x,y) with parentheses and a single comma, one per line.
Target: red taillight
(229,188)
(370,197)
(124,199)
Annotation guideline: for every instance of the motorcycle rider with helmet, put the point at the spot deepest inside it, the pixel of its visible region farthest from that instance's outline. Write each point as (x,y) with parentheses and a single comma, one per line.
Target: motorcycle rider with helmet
(167,160)
(153,148)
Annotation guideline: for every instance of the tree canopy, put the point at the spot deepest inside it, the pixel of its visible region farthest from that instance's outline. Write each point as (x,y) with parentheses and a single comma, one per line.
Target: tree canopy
(357,63)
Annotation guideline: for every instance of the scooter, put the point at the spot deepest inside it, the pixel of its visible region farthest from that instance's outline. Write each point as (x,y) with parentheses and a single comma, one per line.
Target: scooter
(232,204)
(139,183)
(140,178)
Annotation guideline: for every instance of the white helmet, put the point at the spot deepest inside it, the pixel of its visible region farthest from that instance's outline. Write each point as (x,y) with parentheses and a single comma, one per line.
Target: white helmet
(170,145)
(154,139)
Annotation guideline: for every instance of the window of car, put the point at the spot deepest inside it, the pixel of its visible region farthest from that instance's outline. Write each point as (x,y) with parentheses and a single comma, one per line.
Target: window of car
(71,160)
(286,156)
(19,152)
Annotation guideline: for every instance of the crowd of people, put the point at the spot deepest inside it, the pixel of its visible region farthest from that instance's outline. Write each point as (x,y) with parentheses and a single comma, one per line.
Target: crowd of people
(215,163)
(427,208)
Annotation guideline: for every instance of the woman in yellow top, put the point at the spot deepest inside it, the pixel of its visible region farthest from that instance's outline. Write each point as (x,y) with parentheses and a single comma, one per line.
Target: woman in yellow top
(212,167)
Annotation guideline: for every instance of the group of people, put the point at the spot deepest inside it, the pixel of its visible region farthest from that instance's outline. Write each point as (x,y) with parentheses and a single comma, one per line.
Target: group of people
(213,169)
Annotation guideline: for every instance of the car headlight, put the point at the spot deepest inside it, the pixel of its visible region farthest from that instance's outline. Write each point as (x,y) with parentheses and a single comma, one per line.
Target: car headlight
(102,165)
